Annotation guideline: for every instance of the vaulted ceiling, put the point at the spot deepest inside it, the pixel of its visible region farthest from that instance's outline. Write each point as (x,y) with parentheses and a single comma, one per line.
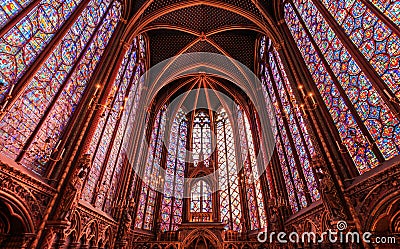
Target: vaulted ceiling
(228,27)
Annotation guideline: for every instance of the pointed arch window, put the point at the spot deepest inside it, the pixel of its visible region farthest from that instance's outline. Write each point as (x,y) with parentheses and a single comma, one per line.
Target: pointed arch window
(228,178)
(294,146)
(151,175)
(251,176)
(172,201)
(201,142)
(111,130)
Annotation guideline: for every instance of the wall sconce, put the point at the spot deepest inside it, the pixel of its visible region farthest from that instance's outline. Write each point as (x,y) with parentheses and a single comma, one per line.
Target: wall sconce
(304,107)
(107,106)
(44,153)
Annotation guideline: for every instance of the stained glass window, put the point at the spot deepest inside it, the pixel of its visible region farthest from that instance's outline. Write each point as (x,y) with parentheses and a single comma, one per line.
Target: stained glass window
(296,123)
(201,197)
(152,175)
(375,40)
(201,142)
(21,45)
(171,210)
(10,8)
(50,98)
(251,175)
(228,178)
(379,121)
(120,106)
(293,182)
(390,8)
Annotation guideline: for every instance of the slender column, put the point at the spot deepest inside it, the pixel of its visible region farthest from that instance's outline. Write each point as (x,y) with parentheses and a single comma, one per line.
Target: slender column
(44,55)
(332,167)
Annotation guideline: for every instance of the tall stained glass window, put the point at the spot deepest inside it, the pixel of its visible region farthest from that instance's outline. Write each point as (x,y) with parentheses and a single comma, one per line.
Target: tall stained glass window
(293,143)
(171,210)
(337,58)
(152,175)
(228,178)
(251,176)
(34,123)
(201,142)
(111,130)
(201,197)
(372,36)
(21,45)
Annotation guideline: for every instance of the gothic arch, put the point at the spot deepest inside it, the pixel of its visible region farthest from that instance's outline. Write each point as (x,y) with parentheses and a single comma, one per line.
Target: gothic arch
(205,233)
(16,212)
(90,232)
(385,217)
(16,224)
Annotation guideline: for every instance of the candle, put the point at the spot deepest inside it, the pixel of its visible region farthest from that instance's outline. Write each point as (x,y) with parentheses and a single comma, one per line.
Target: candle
(58,144)
(91,101)
(11,90)
(4,105)
(62,153)
(312,98)
(301,90)
(387,93)
(302,109)
(97,89)
(338,145)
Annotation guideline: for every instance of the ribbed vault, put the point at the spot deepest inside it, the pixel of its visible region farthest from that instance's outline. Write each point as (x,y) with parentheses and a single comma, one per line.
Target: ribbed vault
(228,27)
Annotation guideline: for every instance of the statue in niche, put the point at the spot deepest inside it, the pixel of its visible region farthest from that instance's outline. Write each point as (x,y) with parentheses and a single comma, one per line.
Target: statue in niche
(330,196)
(126,220)
(72,193)
(274,216)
